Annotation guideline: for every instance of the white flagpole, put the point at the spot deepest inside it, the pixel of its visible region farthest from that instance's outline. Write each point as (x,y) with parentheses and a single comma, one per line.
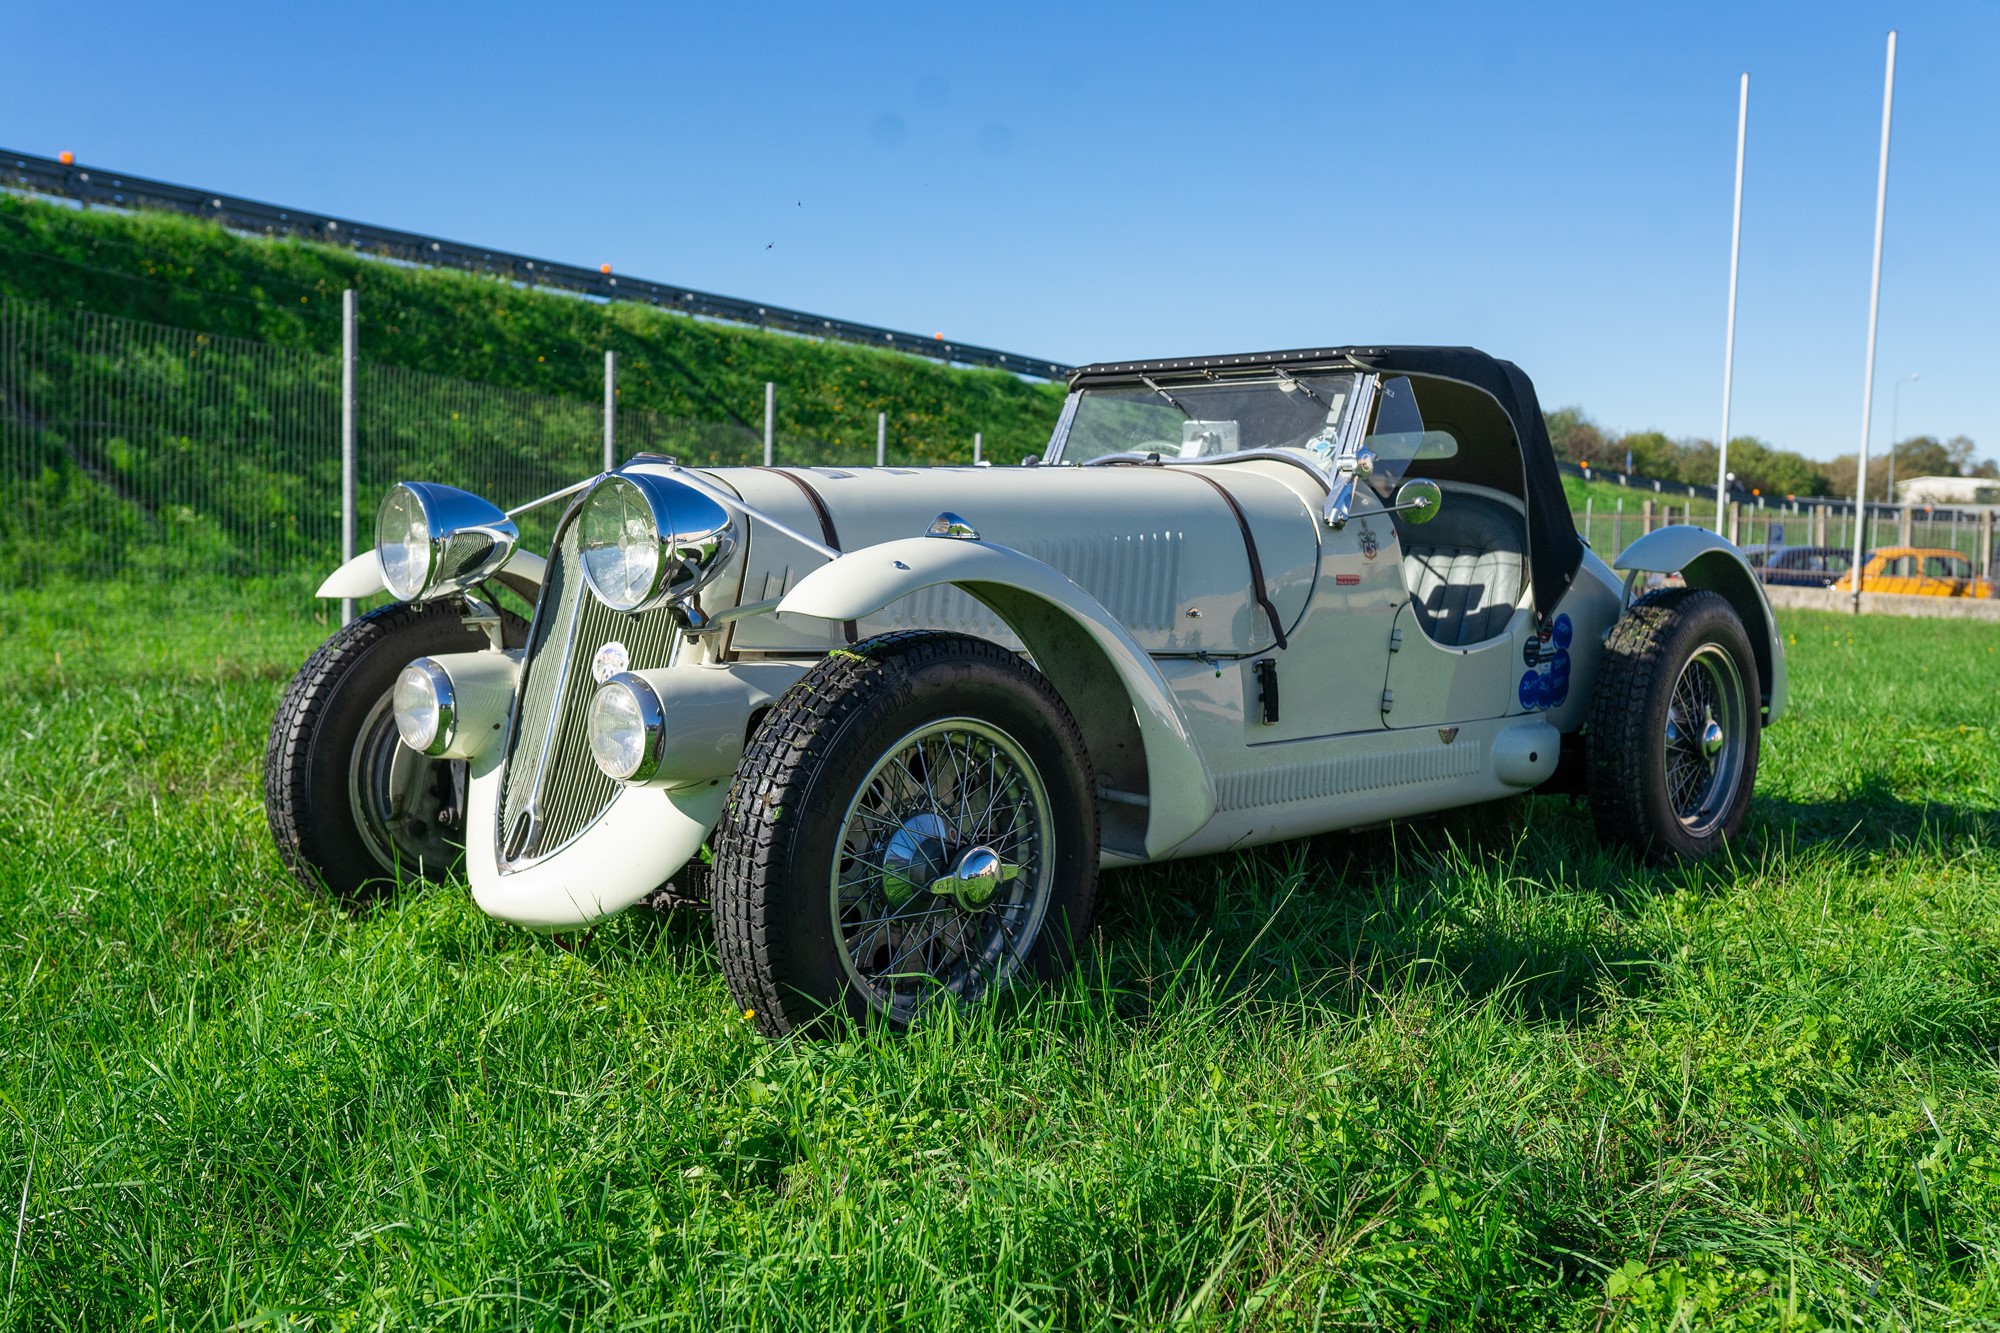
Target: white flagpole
(1874,307)
(1729,339)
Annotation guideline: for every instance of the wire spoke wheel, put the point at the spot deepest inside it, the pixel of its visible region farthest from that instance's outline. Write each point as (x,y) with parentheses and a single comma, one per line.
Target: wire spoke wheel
(941,876)
(1707,718)
(912,829)
(1675,726)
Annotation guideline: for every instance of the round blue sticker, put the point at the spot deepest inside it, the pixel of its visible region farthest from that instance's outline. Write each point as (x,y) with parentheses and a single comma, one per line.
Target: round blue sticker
(1531,690)
(1563,631)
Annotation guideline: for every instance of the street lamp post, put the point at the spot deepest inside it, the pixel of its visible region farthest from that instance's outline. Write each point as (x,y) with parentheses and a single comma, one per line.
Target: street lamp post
(1895,404)
(1729,339)
(1874,310)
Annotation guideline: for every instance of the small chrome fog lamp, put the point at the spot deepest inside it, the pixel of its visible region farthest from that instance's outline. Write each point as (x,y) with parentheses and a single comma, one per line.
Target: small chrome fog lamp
(627,728)
(647,540)
(436,540)
(425,707)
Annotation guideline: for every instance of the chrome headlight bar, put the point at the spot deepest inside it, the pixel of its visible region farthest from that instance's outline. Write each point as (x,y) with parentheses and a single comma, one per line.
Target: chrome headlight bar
(435,540)
(646,540)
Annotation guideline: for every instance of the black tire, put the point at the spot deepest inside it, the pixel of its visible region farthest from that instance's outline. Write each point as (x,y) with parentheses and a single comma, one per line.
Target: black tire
(1655,784)
(329,752)
(805,811)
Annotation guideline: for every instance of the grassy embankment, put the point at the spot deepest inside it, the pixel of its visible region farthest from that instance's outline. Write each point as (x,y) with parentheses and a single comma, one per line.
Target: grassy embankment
(1510,1082)
(178,460)
(180,271)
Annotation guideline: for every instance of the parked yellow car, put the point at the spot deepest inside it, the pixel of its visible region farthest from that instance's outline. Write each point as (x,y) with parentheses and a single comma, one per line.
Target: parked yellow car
(1921,570)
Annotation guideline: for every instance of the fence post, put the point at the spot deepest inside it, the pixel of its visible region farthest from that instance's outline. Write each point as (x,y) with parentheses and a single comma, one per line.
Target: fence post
(1735,522)
(1586,520)
(881,438)
(350,318)
(1645,516)
(976,446)
(1618,527)
(1905,522)
(1986,543)
(610,410)
(770,419)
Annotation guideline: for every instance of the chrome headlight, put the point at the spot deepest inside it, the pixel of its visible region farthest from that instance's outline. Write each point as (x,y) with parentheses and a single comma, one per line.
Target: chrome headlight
(425,707)
(627,728)
(435,540)
(646,540)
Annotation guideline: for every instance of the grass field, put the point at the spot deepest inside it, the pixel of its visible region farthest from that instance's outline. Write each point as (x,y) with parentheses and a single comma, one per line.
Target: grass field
(1501,1079)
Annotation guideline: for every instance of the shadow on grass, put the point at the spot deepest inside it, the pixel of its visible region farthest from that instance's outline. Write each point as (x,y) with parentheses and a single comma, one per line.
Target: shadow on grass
(1871,818)
(1514,901)
(1493,902)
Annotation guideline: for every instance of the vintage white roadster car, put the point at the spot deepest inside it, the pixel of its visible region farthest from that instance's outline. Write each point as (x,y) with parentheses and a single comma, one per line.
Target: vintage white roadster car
(891,722)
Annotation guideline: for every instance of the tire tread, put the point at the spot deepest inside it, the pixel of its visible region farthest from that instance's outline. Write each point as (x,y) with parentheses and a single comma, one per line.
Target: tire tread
(1620,749)
(301,710)
(753,836)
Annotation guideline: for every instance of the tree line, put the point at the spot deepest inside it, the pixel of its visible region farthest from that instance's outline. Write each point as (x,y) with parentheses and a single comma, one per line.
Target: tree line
(1758,465)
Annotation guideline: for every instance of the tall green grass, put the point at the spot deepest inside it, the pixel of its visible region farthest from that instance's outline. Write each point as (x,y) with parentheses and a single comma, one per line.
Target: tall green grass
(1477,1073)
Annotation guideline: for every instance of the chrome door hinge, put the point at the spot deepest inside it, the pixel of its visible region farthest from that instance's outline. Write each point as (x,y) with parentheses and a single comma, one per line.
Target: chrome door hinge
(1396,639)
(1388,700)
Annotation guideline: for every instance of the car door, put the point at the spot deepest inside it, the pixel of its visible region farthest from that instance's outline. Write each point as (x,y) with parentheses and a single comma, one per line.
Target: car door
(1898,575)
(1461,640)
(1950,575)
(1429,683)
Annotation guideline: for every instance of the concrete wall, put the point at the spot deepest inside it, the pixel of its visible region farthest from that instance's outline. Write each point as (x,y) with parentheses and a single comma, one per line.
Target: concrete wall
(1885,603)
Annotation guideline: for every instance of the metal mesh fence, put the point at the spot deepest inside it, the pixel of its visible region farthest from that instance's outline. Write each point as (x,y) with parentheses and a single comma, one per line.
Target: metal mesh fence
(1611,519)
(132,449)
(1616,524)
(141,452)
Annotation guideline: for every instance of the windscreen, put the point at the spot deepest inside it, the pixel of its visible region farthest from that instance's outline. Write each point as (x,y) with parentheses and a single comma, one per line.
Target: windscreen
(1397,436)
(1181,420)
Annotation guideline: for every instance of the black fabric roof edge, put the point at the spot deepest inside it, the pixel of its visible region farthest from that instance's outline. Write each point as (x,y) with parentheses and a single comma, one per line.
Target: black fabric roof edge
(1108,369)
(1555,552)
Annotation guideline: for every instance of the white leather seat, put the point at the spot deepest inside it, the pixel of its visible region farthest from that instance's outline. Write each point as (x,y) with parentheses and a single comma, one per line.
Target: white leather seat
(1464,569)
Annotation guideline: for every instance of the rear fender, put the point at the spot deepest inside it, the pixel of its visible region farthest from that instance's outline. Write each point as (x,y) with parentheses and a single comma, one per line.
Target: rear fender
(1138,738)
(362,576)
(1705,560)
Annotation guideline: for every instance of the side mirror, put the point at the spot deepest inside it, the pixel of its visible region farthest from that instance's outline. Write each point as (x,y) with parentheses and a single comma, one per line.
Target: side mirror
(1418,500)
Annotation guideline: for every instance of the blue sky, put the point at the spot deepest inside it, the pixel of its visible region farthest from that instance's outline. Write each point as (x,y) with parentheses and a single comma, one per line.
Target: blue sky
(1550,183)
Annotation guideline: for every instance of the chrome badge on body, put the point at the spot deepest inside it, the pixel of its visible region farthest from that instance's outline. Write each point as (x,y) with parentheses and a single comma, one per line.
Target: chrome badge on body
(609,661)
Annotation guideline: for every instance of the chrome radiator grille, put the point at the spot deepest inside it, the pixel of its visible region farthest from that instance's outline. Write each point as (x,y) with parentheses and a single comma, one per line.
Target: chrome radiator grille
(552,790)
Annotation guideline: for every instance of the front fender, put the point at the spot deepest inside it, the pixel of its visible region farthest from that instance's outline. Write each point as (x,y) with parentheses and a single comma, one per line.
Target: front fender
(1705,560)
(1072,638)
(362,576)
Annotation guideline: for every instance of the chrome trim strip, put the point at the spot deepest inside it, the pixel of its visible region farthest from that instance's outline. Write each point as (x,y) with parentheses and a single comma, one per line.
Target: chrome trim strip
(536,791)
(723,497)
(552,496)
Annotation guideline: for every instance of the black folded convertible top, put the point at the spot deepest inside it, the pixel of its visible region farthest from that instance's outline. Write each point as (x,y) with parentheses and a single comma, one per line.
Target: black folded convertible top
(1554,549)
